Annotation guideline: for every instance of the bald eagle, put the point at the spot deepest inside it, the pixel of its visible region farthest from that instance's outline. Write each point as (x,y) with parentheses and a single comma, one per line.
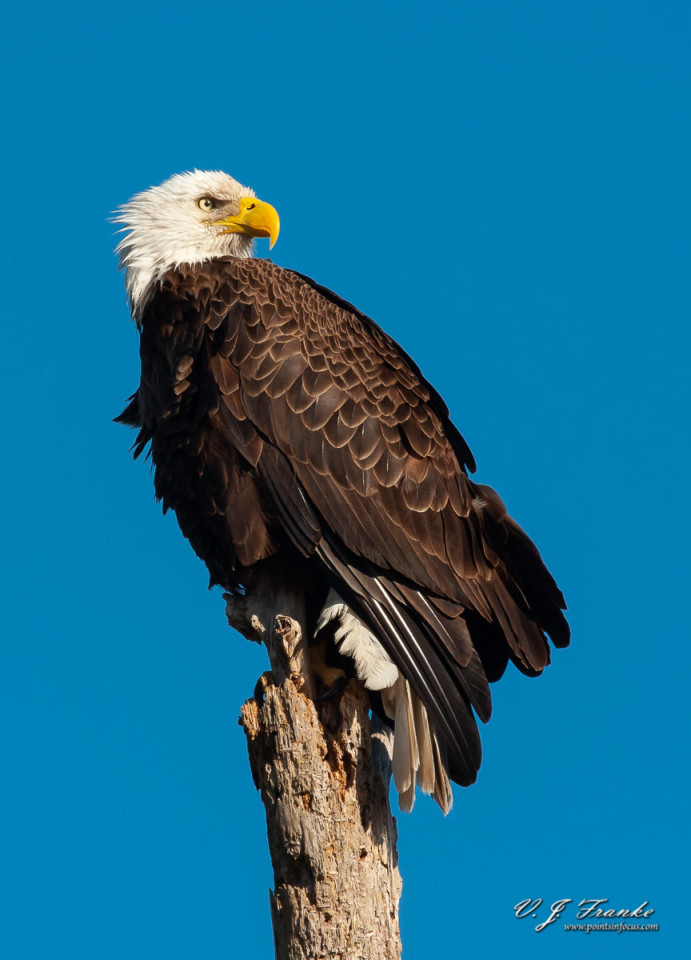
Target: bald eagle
(283,424)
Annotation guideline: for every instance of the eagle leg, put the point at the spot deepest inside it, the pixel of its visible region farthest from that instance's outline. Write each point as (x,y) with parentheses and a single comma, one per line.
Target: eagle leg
(330,680)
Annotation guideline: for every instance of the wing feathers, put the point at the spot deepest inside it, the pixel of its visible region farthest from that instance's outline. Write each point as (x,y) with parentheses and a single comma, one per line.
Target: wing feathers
(363,469)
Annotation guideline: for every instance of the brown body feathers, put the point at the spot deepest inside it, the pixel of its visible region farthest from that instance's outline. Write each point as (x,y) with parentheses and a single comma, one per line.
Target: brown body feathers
(283,420)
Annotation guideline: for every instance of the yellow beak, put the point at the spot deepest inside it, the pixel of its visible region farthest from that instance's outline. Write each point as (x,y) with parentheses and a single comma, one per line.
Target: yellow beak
(256,219)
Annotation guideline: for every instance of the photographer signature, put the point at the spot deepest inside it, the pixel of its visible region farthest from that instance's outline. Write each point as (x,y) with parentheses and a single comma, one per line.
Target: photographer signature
(586,908)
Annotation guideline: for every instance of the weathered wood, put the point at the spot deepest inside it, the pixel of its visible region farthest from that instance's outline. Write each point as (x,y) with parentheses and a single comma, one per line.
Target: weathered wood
(331,834)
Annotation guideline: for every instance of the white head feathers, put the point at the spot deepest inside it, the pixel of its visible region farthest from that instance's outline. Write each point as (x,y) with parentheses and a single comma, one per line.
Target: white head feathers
(165,226)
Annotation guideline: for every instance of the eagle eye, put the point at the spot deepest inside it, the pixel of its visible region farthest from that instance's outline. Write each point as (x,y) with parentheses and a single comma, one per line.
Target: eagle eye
(206,203)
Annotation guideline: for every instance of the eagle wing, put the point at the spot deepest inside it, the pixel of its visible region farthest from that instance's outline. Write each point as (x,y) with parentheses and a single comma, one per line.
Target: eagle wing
(364,470)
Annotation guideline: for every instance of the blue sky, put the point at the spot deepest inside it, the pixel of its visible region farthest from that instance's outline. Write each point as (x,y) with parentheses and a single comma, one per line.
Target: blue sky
(505,188)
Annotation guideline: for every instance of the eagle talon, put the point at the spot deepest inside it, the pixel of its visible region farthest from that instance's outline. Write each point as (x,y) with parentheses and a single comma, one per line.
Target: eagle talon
(331,680)
(336,688)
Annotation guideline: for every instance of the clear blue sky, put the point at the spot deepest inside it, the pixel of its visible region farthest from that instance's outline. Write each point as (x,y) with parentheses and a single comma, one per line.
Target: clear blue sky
(504,186)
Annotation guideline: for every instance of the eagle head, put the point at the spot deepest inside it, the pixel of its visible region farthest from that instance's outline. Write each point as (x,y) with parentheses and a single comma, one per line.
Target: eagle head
(190,218)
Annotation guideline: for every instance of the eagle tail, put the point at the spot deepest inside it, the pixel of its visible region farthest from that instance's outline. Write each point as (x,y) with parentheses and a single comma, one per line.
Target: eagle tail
(411,638)
(415,754)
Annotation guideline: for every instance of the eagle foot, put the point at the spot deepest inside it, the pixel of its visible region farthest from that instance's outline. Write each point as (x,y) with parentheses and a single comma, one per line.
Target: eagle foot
(337,687)
(330,680)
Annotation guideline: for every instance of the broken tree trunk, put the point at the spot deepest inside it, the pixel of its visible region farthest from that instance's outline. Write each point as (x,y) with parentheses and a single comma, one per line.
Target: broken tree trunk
(331,834)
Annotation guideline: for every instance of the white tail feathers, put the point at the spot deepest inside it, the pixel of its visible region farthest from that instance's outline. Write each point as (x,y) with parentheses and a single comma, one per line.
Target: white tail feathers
(418,756)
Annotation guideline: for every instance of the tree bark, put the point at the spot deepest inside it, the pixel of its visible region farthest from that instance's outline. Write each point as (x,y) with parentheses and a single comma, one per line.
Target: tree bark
(331,834)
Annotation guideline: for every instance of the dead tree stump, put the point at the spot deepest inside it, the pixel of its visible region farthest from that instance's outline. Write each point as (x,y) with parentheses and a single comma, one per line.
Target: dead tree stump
(331,834)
